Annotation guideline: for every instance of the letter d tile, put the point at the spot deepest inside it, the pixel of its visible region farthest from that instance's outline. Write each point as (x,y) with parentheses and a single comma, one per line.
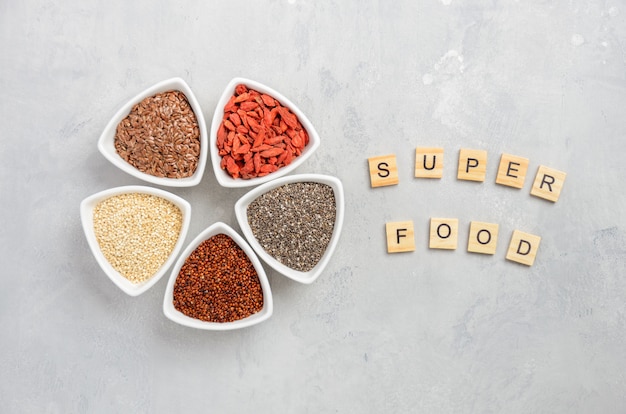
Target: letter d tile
(523,248)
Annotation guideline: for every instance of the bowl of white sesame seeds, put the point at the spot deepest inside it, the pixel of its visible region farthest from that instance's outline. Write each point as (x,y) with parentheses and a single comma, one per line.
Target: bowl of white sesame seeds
(135,233)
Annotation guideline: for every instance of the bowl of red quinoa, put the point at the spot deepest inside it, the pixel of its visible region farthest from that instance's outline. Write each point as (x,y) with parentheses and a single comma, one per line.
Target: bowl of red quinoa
(135,233)
(159,136)
(257,135)
(293,223)
(218,283)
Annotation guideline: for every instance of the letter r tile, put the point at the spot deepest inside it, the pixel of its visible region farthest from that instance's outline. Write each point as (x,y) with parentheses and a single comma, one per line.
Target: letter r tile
(523,248)
(400,237)
(548,183)
(383,170)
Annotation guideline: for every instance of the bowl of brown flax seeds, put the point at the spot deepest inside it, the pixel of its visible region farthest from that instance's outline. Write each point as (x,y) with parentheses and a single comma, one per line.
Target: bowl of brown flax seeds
(159,136)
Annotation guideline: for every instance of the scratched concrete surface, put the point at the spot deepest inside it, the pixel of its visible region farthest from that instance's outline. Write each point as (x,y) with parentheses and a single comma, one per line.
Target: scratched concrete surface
(428,331)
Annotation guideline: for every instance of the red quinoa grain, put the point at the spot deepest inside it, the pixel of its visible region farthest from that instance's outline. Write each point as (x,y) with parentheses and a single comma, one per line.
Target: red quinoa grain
(218,283)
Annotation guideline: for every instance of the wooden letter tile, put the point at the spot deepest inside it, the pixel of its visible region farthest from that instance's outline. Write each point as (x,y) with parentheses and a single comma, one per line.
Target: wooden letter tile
(472,165)
(428,162)
(383,170)
(512,171)
(443,233)
(523,248)
(400,237)
(548,183)
(483,237)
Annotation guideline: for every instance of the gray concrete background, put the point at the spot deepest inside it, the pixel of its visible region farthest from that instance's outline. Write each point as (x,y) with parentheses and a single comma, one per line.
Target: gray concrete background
(428,331)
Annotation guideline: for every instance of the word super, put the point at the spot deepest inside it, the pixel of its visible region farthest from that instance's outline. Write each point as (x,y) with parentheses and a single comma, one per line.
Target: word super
(483,238)
(472,166)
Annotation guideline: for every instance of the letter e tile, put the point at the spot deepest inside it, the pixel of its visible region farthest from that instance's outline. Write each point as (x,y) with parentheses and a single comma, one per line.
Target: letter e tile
(512,171)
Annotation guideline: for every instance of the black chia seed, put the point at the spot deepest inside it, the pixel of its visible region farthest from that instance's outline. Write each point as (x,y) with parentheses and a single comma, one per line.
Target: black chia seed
(294,223)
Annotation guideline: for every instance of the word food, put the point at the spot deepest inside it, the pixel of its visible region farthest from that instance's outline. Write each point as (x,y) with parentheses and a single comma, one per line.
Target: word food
(483,238)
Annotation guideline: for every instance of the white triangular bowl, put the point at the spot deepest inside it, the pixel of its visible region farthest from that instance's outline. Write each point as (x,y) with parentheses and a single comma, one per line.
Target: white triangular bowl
(241,207)
(176,316)
(223,178)
(106,143)
(86,214)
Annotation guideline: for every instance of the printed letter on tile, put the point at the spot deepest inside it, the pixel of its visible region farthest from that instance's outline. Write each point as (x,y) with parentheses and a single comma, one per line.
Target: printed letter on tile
(483,237)
(548,183)
(523,248)
(400,237)
(428,162)
(512,171)
(443,233)
(472,165)
(383,170)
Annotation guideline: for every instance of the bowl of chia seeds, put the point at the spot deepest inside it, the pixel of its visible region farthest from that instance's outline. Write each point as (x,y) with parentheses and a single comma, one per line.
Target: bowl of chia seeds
(293,223)
(135,233)
(257,135)
(218,283)
(159,136)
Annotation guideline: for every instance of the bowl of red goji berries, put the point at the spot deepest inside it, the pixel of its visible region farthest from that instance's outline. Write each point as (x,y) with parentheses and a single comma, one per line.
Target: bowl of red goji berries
(258,135)
(218,283)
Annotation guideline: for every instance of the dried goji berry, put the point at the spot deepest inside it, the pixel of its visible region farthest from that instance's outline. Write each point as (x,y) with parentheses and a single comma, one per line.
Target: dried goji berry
(297,141)
(269,168)
(229,125)
(268,100)
(244,149)
(248,106)
(234,118)
(242,97)
(256,159)
(230,105)
(262,147)
(274,140)
(271,152)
